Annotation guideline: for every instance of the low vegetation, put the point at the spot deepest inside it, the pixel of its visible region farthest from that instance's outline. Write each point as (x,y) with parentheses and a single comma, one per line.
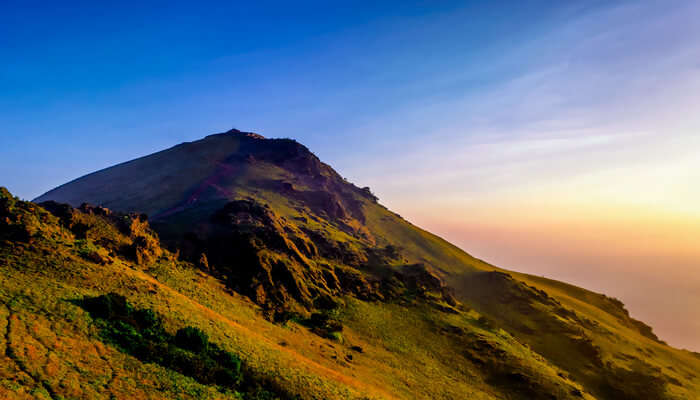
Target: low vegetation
(140,333)
(283,280)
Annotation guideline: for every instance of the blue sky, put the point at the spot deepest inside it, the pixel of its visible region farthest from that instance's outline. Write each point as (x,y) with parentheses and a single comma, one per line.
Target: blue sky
(84,85)
(555,137)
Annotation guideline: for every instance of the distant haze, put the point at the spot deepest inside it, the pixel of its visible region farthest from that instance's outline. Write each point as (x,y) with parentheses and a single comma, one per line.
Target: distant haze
(652,265)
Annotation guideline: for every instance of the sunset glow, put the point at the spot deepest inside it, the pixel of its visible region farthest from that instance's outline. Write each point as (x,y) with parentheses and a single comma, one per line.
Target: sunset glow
(560,140)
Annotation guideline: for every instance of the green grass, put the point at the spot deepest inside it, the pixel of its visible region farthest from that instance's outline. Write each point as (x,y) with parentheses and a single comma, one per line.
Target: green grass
(510,338)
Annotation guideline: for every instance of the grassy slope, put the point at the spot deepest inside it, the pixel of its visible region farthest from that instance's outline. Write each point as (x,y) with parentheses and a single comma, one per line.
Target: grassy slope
(51,348)
(197,161)
(575,318)
(53,341)
(626,346)
(621,345)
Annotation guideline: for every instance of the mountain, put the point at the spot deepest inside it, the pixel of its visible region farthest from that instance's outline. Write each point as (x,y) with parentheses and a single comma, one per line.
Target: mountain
(243,267)
(211,196)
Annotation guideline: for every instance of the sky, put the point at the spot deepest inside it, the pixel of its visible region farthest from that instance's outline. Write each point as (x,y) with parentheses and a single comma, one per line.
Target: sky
(556,138)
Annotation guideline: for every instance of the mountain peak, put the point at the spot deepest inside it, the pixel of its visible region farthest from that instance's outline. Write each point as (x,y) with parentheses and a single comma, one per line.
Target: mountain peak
(213,171)
(239,133)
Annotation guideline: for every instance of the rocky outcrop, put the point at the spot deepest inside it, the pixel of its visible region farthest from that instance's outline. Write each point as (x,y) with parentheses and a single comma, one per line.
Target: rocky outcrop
(260,254)
(282,266)
(123,234)
(24,222)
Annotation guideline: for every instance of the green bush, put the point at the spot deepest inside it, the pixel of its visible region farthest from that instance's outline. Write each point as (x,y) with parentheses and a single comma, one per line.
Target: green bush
(140,332)
(259,393)
(192,339)
(88,251)
(335,336)
(147,321)
(326,321)
(108,306)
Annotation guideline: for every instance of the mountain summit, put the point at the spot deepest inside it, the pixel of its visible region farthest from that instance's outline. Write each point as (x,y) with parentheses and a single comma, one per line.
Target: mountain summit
(237,227)
(213,169)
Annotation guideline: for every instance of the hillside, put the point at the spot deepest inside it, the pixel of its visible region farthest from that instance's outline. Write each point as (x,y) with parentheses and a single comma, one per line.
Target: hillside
(318,289)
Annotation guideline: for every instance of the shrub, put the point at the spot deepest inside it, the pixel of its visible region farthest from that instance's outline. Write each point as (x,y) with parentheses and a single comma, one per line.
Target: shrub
(108,306)
(140,332)
(259,393)
(192,339)
(88,251)
(227,377)
(146,319)
(327,321)
(335,336)
(7,200)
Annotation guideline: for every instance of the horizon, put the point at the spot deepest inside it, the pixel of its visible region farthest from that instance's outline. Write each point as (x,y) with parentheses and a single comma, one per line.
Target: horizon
(556,140)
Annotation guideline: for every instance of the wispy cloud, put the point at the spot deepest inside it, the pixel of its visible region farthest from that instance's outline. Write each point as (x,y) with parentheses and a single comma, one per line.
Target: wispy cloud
(610,87)
(581,165)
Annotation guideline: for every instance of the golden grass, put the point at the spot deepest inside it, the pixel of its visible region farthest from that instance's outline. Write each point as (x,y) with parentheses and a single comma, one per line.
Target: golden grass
(50,348)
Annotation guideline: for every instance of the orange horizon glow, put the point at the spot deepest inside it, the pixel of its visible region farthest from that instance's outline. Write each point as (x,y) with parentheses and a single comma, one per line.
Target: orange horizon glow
(647,259)
(613,212)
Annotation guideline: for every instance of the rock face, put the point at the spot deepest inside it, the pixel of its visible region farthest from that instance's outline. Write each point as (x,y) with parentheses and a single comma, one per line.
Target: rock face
(126,234)
(277,264)
(261,254)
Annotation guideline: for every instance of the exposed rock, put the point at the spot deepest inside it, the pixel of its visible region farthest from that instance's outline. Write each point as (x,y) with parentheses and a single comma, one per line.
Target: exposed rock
(99,224)
(203,262)
(422,281)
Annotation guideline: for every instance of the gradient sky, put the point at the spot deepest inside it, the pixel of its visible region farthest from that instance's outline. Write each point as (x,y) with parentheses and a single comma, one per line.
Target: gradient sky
(551,137)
